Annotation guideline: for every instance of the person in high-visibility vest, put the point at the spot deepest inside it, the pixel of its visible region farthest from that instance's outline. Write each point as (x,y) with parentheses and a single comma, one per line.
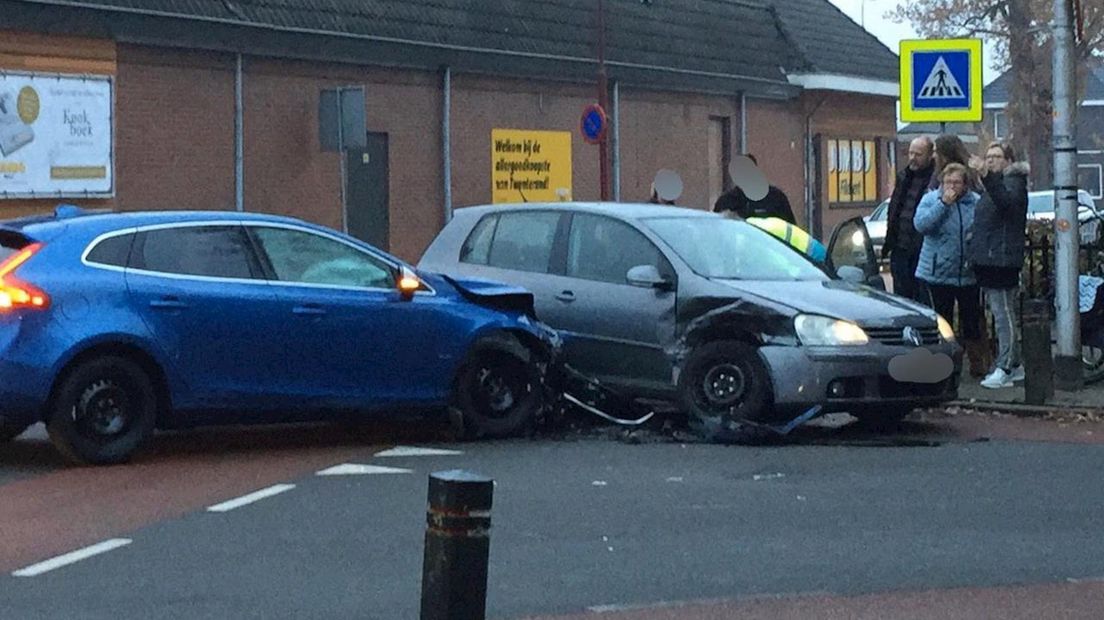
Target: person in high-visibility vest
(797,238)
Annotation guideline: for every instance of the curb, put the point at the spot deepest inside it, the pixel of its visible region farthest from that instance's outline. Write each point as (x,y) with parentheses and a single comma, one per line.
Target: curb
(1022,410)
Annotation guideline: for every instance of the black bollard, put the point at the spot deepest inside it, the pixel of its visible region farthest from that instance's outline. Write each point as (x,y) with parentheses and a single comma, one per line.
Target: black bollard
(1038,359)
(457,546)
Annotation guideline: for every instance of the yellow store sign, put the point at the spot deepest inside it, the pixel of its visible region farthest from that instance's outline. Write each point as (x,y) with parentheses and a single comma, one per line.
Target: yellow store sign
(530,166)
(852,171)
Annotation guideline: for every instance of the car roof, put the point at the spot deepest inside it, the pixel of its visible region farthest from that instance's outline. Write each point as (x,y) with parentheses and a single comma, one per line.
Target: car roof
(67,216)
(619,210)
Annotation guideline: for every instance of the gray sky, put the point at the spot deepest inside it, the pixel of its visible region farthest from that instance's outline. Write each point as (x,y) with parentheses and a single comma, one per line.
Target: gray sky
(890,32)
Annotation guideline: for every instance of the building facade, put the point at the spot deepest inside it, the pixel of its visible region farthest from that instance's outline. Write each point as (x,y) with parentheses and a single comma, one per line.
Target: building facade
(216,105)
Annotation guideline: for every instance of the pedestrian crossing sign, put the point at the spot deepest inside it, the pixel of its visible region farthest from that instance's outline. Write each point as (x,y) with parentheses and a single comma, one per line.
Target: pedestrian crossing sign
(941,80)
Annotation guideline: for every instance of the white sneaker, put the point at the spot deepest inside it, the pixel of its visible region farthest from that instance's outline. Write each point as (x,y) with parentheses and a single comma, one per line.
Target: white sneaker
(1018,374)
(997,379)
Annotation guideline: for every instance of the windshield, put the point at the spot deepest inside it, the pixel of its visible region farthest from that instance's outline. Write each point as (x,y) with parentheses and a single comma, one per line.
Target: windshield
(1040,203)
(731,249)
(880,213)
(1043,202)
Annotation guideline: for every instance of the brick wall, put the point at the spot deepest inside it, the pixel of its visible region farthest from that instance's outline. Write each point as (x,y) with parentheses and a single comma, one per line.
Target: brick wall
(776,137)
(669,131)
(174,130)
(853,116)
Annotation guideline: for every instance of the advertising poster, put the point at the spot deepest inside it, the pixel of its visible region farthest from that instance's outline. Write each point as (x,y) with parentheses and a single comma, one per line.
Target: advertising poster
(55,135)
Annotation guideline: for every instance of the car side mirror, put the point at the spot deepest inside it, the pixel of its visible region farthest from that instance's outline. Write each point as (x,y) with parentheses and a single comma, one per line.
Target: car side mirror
(851,273)
(408,284)
(647,276)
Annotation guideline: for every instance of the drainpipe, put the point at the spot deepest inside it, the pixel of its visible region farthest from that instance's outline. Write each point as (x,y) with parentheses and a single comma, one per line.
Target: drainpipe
(615,128)
(743,123)
(811,223)
(239,138)
(446,140)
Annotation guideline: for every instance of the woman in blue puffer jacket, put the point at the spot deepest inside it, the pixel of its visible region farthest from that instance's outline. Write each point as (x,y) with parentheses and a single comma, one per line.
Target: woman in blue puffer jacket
(945,217)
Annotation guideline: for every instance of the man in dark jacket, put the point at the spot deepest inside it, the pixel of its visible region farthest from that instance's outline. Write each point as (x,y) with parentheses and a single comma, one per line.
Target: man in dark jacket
(902,242)
(774,204)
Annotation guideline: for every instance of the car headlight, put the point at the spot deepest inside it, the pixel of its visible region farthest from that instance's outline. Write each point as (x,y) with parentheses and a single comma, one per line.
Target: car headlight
(945,329)
(813,330)
(857,239)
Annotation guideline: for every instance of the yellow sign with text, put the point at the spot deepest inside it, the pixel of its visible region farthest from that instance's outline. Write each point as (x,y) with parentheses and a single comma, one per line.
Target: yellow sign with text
(530,166)
(852,171)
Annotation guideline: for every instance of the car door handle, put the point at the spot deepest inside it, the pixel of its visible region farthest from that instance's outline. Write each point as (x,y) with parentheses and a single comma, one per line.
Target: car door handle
(309,310)
(568,296)
(168,302)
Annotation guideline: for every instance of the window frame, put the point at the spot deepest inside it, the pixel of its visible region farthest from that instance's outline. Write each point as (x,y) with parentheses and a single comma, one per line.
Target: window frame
(493,219)
(139,244)
(395,268)
(140,230)
(95,243)
(670,271)
(555,260)
(1099,194)
(997,115)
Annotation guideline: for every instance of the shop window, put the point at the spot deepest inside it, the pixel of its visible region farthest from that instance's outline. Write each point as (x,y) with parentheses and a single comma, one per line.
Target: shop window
(852,172)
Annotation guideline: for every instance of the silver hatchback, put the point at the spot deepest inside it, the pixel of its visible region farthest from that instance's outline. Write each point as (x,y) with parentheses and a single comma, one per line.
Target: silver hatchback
(707,311)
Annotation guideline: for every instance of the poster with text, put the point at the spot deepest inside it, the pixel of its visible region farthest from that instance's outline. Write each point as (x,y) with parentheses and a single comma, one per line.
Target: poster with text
(530,166)
(55,135)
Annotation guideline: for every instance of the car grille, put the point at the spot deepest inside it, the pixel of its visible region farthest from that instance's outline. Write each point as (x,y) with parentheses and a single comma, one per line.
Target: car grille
(892,336)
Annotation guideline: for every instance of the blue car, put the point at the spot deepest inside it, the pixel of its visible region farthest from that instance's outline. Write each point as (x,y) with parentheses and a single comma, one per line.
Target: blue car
(115,324)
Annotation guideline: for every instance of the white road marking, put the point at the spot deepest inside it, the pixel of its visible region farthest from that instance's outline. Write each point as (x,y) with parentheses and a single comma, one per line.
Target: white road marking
(416,451)
(675,479)
(599,483)
(758,477)
(72,557)
(353,469)
(252,497)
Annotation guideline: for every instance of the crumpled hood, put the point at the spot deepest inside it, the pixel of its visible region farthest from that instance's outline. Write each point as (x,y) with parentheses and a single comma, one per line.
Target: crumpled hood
(493,294)
(834,298)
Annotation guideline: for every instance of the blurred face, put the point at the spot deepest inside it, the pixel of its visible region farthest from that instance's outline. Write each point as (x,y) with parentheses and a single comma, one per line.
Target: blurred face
(995,160)
(955,182)
(919,154)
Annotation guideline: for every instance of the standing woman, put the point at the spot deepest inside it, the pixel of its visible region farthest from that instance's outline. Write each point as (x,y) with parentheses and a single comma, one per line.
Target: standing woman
(997,252)
(945,217)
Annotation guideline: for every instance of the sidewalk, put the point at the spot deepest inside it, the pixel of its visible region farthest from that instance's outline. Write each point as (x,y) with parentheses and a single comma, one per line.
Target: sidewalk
(971,394)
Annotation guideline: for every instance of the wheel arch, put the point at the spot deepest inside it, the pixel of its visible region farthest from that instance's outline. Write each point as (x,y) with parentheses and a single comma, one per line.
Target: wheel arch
(124,349)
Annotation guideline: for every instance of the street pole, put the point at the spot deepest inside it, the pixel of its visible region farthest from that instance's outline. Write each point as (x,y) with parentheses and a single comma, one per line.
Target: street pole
(603,101)
(1067,365)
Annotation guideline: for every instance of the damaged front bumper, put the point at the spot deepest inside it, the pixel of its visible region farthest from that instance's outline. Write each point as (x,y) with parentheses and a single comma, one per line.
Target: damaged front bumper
(852,379)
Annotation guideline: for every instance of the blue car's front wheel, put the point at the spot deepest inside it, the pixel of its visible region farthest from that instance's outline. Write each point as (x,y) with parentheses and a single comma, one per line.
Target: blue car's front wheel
(498,391)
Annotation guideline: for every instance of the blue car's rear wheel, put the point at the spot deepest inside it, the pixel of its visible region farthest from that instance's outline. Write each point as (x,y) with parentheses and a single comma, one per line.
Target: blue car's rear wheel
(102,411)
(498,389)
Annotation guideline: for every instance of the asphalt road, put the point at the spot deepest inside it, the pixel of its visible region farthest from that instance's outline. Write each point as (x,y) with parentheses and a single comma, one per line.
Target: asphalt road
(582,524)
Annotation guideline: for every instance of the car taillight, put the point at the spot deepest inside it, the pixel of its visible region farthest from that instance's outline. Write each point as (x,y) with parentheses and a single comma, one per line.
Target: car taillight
(15,293)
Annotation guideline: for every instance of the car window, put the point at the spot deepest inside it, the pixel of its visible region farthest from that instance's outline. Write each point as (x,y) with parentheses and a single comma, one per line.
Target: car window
(112,251)
(308,258)
(210,251)
(881,212)
(732,249)
(523,241)
(603,249)
(477,247)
